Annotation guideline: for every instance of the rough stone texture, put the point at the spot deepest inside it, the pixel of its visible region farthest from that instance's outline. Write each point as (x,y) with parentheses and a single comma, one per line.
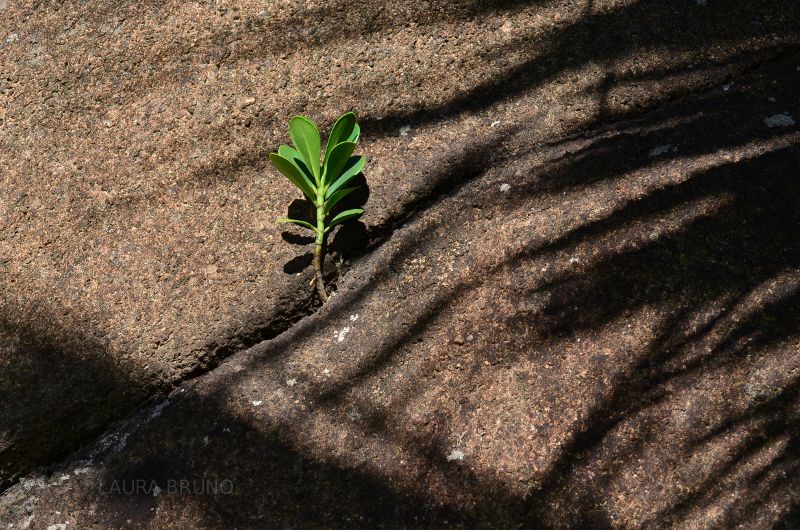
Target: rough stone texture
(135,220)
(612,341)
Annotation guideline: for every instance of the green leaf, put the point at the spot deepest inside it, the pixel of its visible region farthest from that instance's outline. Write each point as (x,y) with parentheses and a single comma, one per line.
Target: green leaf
(338,196)
(354,166)
(337,161)
(306,138)
(294,156)
(297,222)
(341,132)
(289,152)
(344,216)
(355,134)
(294,174)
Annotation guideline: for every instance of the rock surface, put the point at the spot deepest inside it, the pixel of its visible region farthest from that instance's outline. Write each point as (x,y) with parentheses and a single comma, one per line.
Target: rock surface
(598,331)
(136,231)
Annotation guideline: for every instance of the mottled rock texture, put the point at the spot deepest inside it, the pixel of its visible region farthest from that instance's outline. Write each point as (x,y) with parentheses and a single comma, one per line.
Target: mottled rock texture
(137,248)
(612,341)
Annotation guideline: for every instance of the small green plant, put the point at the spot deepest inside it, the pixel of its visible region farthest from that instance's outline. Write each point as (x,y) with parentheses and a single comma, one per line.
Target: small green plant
(324,184)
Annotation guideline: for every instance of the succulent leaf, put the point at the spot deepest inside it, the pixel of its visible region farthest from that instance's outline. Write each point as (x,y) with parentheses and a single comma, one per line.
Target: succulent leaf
(293,173)
(341,132)
(297,222)
(354,136)
(354,166)
(344,216)
(305,137)
(337,161)
(334,199)
(294,156)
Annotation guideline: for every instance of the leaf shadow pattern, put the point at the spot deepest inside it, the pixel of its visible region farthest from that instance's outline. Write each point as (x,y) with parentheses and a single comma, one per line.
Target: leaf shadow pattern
(703,394)
(621,276)
(48,372)
(743,37)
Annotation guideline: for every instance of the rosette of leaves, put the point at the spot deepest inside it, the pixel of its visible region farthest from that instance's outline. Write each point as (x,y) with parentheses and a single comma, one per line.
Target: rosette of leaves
(322,177)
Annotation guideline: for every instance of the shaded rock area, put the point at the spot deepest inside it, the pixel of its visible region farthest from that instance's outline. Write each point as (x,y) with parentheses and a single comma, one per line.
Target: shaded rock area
(598,331)
(136,233)
(137,242)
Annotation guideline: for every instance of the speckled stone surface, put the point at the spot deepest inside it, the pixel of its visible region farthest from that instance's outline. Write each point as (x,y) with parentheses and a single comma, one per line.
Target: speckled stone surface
(598,332)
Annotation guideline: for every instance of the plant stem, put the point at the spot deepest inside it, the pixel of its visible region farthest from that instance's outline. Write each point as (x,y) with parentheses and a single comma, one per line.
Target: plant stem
(319,256)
